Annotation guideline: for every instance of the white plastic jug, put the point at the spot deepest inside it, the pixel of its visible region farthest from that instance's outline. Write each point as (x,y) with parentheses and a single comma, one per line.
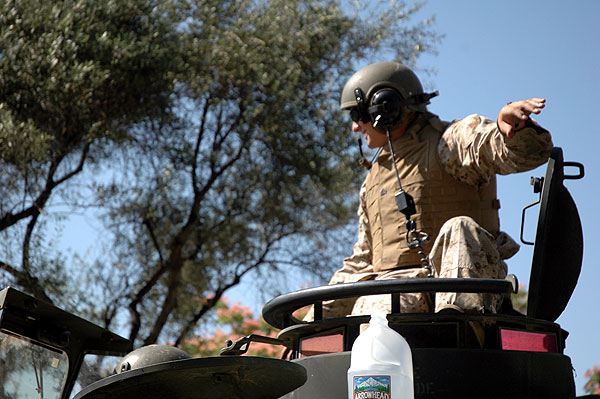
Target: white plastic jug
(381,364)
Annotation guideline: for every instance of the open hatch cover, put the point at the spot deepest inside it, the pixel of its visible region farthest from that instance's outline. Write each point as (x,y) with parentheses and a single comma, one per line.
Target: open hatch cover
(558,250)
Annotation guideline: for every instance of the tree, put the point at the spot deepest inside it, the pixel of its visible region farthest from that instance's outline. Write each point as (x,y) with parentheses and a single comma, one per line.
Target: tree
(74,76)
(226,158)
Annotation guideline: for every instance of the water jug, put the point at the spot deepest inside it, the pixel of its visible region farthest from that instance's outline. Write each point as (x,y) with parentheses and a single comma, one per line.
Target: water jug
(381,364)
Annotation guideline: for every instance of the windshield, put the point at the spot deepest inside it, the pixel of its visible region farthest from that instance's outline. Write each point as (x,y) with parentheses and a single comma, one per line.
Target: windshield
(29,370)
(94,368)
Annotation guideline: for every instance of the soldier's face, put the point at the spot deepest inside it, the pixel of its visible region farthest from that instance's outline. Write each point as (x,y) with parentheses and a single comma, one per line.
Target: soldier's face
(374,138)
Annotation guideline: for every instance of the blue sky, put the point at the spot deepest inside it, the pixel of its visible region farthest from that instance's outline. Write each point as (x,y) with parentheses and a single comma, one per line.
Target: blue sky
(499,51)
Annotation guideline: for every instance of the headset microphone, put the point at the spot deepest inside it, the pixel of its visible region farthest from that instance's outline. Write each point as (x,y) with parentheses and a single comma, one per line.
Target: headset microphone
(364,162)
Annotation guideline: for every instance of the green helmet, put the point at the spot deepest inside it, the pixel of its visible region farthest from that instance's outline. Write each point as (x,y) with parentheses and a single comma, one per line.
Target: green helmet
(384,82)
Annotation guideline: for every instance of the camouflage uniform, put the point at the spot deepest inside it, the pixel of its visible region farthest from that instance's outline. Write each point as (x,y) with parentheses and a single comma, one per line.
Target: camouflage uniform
(472,151)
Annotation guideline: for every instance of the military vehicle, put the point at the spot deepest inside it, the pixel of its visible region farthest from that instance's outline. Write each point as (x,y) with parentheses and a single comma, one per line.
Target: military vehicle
(517,356)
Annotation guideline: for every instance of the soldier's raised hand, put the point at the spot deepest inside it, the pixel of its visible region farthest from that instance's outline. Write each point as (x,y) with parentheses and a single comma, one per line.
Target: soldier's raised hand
(514,115)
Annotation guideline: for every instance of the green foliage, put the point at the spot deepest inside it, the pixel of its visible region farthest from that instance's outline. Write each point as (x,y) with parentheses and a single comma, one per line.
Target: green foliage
(76,67)
(74,71)
(519,300)
(74,75)
(214,130)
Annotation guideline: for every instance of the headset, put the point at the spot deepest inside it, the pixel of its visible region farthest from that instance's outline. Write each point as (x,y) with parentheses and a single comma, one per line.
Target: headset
(385,111)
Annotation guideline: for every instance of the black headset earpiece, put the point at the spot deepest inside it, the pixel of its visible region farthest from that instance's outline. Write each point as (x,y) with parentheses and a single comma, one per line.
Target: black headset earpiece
(386,109)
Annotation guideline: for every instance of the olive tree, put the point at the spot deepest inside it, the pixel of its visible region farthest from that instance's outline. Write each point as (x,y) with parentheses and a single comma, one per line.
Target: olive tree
(224,157)
(75,75)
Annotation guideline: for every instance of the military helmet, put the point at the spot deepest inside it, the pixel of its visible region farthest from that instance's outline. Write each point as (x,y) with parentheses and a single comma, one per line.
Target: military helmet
(380,89)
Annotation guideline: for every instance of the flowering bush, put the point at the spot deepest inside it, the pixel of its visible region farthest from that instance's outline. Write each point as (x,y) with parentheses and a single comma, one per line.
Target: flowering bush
(233,322)
(593,384)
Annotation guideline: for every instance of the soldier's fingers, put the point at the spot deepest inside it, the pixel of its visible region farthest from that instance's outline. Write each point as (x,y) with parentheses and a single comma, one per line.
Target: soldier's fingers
(533,105)
(536,100)
(522,109)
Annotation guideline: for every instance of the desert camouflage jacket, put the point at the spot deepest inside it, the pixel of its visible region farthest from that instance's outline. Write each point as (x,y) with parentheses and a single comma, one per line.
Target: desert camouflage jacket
(473,151)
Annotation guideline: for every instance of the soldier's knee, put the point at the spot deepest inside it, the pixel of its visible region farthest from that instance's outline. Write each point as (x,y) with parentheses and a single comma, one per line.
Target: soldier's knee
(459,222)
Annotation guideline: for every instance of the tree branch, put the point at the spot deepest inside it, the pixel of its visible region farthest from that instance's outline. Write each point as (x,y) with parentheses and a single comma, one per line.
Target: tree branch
(211,303)
(174,262)
(150,228)
(27,281)
(40,202)
(198,142)
(139,296)
(168,305)
(24,279)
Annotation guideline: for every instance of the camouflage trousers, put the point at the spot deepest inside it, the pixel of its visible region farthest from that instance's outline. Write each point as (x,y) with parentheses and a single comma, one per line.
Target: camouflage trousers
(462,249)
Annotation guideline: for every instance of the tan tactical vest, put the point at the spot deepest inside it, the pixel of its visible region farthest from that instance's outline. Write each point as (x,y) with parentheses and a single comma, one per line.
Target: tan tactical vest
(438,196)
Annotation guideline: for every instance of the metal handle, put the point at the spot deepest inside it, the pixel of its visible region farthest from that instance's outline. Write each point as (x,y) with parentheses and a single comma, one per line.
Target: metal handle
(577,165)
(523,222)
(241,346)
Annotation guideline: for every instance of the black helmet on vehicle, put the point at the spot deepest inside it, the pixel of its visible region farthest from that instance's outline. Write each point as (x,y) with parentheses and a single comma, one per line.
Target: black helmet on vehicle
(377,93)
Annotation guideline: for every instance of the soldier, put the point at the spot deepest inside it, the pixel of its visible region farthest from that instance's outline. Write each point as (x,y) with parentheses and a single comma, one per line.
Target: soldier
(450,170)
